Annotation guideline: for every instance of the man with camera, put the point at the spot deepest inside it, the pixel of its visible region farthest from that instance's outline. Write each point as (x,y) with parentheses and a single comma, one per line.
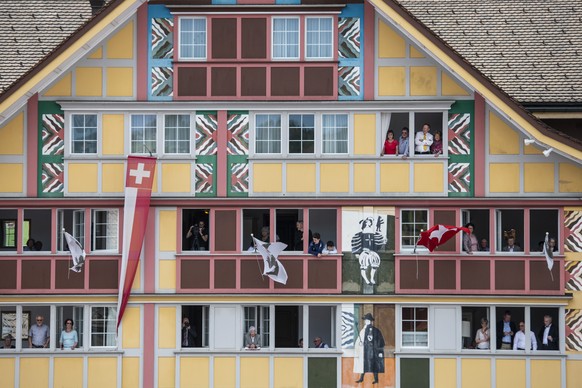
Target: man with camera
(199,235)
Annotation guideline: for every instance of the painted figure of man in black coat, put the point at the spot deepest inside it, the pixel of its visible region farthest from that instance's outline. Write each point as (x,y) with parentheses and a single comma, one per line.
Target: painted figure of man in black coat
(369,350)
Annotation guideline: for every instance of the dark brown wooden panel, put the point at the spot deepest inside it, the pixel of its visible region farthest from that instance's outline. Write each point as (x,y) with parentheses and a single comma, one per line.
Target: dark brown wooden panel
(224,38)
(445,275)
(254,38)
(408,275)
(294,270)
(65,279)
(251,275)
(191,81)
(195,273)
(318,81)
(385,320)
(475,275)
(103,274)
(509,275)
(285,81)
(36,274)
(253,81)
(223,81)
(8,274)
(224,230)
(225,274)
(540,278)
(446,217)
(322,274)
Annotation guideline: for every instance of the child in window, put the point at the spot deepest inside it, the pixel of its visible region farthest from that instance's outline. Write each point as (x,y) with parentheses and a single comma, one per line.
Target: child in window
(316,245)
(329,249)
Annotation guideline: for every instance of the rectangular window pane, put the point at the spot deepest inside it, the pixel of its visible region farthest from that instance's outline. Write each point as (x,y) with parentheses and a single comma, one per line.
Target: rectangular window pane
(285,38)
(103,326)
(105,229)
(268,134)
(413,221)
(143,134)
(301,134)
(335,134)
(84,134)
(193,38)
(177,134)
(319,37)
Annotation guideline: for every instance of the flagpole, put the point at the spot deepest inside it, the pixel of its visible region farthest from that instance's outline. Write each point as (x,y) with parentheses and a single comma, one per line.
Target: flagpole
(70,259)
(257,257)
(416,254)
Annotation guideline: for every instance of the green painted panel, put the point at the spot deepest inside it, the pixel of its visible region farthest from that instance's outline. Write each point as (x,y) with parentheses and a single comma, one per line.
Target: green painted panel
(461,149)
(414,373)
(50,178)
(322,372)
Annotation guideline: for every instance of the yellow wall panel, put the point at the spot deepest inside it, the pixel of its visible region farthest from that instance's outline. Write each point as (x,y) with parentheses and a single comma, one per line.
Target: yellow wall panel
(68,372)
(267,178)
(365,134)
(63,87)
(224,372)
(176,178)
(12,136)
(300,177)
(391,81)
(503,140)
(450,87)
(168,222)
(415,53)
(167,274)
(395,177)
(102,372)
(334,178)
(510,373)
(364,177)
(573,373)
(131,328)
(538,177)
(546,373)
(12,178)
(119,81)
(504,177)
(112,177)
(570,178)
(166,372)
(120,46)
(288,372)
(423,81)
(475,373)
(445,373)
(112,133)
(194,372)
(429,178)
(390,43)
(7,370)
(89,81)
(34,372)
(249,378)
(167,327)
(97,54)
(137,280)
(130,371)
(532,149)
(82,177)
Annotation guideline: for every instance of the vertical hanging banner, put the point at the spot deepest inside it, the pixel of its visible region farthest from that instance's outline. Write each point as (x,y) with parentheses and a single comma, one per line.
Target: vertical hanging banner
(139,180)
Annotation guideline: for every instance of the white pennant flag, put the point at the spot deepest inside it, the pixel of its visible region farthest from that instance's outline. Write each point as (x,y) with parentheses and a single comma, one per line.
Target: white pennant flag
(548,252)
(273,267)
(77,252)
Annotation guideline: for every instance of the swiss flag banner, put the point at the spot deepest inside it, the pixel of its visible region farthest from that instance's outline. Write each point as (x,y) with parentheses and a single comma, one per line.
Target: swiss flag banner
(138,191)
(438,235)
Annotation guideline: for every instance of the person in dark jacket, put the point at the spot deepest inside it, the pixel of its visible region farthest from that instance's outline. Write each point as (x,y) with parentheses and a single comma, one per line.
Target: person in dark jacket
(506,330)
(548,335)
(188,334)
(316,245)
(369,350)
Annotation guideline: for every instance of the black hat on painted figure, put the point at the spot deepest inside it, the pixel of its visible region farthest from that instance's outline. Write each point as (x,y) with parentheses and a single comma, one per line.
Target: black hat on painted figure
(368,316)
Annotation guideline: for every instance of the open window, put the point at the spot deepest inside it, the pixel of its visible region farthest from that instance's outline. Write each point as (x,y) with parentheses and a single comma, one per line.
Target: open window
(290,228)
(256,222)
(548,338)
(288,326)
(103,327)
(258,317)
(324,222)
(8,225)
(105,230)
(322,325)
(509,230)
(37,230)
(475,328)
(71,221)
(65,314)
(542,221)
(35,326)
(507,319)
(195,226)
(199,320)
(481,226)
(434,120)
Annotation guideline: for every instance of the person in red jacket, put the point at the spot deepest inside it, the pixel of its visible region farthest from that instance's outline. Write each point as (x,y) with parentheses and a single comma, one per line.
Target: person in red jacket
(390,145)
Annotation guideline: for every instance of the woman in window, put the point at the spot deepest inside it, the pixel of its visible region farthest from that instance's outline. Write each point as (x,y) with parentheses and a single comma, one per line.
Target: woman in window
(436,147)
(470,241)
(390,144)
(69,338)
(482,336)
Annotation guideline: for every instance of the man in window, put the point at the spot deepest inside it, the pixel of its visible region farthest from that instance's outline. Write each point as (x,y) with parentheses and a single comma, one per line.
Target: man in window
(318,343)
(511,247)
(548,335)
(38,335)
(252,339)
(188,334)
(505,332)
(519,342)
(199,235)
(369,350)
(403,143)
(423,140)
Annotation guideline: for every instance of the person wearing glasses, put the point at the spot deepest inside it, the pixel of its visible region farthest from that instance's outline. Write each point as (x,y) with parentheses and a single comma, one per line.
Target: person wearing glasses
(69,337)
(519,341)
(39,334)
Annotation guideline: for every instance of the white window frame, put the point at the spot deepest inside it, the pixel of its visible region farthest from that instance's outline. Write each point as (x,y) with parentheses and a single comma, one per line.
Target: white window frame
(265,324)
(414,333)
(302,141)
(285,57)
(281,132)
(177,141)
(181,55)
(411,247)
(72,133)
(143,140)
(90,322)
(319,45)
(93,233)
(78,231)
(347,139)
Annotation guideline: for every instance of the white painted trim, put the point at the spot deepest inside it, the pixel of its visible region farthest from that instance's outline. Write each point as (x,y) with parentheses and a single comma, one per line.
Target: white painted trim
(178,30)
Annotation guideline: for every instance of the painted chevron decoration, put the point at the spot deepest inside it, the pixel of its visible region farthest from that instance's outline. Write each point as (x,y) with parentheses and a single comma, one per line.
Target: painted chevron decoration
(52,134)
(573,275)
(574,330)
(52,177)
(162,38)
(349,37)
(162,81)
(238,134)
(204,177)
(459,177)
(349,81)
(459,134)
(573,231)
(206,125)
(239,178)
(348,329)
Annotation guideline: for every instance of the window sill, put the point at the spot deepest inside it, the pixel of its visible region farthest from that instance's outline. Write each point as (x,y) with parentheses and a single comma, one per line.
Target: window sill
(60,352)
(263,351)
(482,353)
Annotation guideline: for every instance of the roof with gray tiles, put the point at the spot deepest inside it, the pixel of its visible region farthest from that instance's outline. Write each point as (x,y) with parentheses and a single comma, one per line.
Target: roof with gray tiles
(531,49)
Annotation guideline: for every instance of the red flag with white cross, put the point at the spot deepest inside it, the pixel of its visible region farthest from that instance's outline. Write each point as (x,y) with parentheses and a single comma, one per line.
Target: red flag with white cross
(438,235)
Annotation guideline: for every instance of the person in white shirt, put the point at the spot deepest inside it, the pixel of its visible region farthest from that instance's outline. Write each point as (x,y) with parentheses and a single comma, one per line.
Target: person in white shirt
(519,339)
(423,140)
(482,336)
(329,248)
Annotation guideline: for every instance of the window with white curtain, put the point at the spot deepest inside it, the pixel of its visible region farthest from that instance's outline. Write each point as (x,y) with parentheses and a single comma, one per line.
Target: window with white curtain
(73,222)
(143,134)
(103,326)
(105,230)
(177,134)
(415,327)
(301,134)
(334,133)
(319,32)
(268,134)
(84,134)
(285,38)
(192,38)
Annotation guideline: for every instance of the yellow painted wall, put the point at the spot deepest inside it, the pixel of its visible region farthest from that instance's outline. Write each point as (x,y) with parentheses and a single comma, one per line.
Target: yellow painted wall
(194,372)
(130,371)
(395,177)
(112,134)
(167,235)
(167,327)
(167,274)
(12,136)
(445,373)
(503,140)
(364,177)
(288,372)
(365,134)
(475,373)
(12,178)
(532,149)
(390,43)
(429,178)
(176,178)
(249,378)
(510,373)
(7,370)
(119,81)
(40,377)
(504,177)
(538,177)
(68,372)
(166,372)
(97,54)
(62,88)
(573,373)
(120,46)
(545,374)
(102,372)
(137,280)
(112,177)
(334,177)
(570,178)
(415,53)
(301,177)
(89,81)
(131,326)
(267,178)
(423,81)
(450,87)
(391,81)
(82,177)
(224,372)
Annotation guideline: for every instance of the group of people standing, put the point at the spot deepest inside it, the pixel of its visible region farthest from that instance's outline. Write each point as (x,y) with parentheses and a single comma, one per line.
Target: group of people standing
(39,336)
(424,143)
